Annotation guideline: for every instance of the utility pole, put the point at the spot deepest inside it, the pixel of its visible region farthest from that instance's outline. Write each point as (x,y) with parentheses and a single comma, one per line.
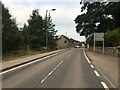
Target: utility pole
(46,30)
(46,27)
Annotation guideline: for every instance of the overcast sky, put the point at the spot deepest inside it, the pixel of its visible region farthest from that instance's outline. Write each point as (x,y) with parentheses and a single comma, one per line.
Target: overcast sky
(63,17)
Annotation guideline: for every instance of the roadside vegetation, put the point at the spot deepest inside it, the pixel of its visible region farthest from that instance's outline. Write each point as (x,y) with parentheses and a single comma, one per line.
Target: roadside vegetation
(112,39)
(29,39)
(100,17)
(21,54)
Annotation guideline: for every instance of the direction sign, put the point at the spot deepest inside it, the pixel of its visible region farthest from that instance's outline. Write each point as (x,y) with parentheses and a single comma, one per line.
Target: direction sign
(99,36)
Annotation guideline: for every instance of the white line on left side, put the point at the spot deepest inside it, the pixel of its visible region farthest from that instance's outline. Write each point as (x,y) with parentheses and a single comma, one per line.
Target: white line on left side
(18,67)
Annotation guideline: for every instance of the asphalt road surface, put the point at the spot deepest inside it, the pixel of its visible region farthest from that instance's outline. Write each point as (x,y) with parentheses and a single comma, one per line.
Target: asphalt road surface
(67,70)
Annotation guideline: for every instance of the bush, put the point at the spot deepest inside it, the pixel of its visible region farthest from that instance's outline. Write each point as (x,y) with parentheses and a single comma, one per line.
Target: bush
(112,38)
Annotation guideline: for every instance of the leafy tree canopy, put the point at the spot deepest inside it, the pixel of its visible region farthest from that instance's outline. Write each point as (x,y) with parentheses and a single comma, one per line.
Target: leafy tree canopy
(98,18)
(11,39)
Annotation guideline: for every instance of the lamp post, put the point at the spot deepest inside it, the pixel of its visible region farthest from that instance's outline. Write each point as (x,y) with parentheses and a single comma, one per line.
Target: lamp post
(46,26)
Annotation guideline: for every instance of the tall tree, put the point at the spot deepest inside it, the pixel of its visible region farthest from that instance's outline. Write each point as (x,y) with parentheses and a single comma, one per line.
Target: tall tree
(113,9)
(25,35)
(11,39)
(97,12)
(51,33)
(36,33)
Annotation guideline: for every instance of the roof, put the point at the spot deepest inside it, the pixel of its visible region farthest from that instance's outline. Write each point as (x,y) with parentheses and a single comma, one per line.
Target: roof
(65,37)
(69,40)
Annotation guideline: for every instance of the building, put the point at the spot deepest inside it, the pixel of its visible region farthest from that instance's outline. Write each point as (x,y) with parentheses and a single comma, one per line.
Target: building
(63,42)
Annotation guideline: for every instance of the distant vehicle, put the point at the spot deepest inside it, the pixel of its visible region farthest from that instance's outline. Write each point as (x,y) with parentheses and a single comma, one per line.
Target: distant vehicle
(77,46)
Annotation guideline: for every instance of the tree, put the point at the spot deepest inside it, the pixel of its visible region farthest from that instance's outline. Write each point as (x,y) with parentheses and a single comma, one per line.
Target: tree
(34,31)
(112,38)
(11,39)
(51,33)
(25,35)
(97,12)
(113,9)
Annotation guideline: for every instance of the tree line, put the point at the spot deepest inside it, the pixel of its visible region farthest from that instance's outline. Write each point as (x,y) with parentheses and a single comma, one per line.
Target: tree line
(32,36)
(99,17)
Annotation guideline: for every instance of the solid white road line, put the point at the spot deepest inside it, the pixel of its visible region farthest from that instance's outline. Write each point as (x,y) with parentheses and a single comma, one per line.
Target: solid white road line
(51,71)
(105,86)
(26,64)
(97,74)
(86,57)
(92,66)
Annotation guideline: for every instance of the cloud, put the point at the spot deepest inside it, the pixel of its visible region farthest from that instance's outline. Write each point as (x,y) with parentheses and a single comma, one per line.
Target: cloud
(63,17)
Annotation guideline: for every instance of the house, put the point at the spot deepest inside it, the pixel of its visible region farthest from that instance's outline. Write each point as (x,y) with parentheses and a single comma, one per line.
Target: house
(72,42)
(63,42)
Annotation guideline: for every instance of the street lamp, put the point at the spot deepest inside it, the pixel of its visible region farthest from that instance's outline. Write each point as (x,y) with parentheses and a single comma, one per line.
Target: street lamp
(46,26)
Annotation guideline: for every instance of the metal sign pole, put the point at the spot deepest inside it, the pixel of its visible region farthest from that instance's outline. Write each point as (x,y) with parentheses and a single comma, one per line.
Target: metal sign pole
(94,43)
(103,46)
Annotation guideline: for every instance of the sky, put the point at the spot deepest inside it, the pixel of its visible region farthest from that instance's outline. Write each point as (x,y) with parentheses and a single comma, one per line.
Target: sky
(63,17)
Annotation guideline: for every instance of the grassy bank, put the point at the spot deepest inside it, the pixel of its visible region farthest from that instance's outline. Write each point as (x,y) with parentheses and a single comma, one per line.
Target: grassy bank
(20,54)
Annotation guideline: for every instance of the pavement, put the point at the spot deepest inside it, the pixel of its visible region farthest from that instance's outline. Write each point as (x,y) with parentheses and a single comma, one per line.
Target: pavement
(66,70)
(9,64)
(107,65)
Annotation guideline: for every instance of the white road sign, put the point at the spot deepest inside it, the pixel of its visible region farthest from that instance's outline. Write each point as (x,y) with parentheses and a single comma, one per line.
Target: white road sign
(99,36)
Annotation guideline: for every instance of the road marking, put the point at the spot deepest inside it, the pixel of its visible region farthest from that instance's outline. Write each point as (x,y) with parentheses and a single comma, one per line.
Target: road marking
(92,66)
(86,57)
(108,80)
(97,74)
(105,86)
(26,64)
(51,71)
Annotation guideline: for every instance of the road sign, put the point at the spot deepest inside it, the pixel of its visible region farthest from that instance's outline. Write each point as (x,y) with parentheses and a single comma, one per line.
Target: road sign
(99,36)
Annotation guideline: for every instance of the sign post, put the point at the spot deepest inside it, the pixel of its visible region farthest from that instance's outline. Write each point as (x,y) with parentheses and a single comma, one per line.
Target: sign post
(103,46)
(94,43)
(98,37)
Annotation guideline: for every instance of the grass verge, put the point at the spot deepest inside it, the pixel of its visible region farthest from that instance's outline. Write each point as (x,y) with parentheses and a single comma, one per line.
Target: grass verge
(20,54)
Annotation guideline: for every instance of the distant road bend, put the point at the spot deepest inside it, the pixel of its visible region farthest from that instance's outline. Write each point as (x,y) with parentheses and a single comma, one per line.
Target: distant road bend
(70,69)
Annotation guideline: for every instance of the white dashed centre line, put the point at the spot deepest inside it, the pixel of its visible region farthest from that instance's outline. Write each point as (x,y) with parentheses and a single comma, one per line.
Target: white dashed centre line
(105,86)
(97,74)
(51,71)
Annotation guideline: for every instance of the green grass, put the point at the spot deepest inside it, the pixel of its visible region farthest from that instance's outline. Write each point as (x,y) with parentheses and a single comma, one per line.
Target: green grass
(20,54)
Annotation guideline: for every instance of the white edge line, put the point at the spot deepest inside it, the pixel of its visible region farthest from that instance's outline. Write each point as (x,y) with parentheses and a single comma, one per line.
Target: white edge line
(86,57)
(92,66)
(26,64)
(108,80)
(51,72)
(105,86)
(97,74)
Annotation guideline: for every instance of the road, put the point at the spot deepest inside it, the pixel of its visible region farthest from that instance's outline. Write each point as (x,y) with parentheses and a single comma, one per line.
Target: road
(67,70)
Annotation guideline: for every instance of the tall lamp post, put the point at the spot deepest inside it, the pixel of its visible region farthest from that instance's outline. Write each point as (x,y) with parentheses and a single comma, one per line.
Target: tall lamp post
(46,26)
